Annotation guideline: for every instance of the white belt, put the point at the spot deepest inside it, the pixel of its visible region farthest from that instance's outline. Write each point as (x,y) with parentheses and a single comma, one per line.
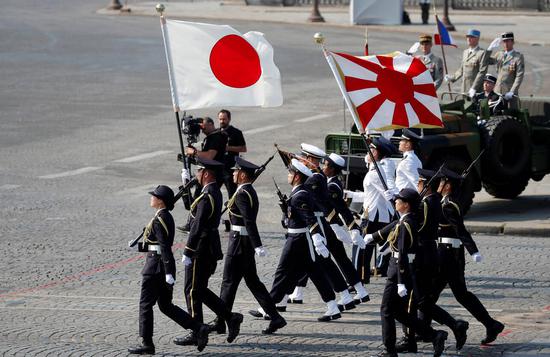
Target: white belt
(411,256)
(239,229)
(154,248)
(297,230)
(319,214)
(454,242)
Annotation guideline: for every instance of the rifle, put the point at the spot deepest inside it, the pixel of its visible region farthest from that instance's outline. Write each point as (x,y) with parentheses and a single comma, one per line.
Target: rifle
(466,172)
(428,184)
(184,191)
(134,241)
(282,198)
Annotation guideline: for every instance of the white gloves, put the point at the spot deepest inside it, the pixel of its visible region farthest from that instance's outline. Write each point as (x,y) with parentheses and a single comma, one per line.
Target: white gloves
(341,233)
(260,251)
(494,44)
(357,239)
(471,93)
(185,176)
(319,242)
(170,279)
(368,238)
(414,48)
(186,260)
(509,95)
(401,290)
(388,195)
(385,252)
(447,78)
(476,257)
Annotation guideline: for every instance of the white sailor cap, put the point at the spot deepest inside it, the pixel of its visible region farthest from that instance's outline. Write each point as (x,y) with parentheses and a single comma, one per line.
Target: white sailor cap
(311,150)
(337,160)
(296,165)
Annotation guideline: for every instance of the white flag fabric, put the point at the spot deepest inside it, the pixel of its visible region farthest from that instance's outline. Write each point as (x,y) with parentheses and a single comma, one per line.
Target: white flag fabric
(216,66)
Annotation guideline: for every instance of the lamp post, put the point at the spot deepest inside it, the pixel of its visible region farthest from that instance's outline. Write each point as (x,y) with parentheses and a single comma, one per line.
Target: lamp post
(445,19)
(315,15)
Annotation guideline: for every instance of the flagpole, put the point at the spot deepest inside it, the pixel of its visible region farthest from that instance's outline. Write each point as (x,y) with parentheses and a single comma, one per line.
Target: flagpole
(442,48)
(319,39)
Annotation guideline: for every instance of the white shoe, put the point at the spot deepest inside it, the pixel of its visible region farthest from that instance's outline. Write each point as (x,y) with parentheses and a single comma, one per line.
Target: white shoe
(332,313)
(283,302)
(346,302)
(362,294)
(297,296)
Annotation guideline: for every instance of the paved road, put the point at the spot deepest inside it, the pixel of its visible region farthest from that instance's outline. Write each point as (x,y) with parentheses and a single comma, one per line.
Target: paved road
(87,129)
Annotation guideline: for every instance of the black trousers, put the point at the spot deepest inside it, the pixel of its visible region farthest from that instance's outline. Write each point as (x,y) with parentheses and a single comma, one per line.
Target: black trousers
(237,267)
(394,307)
(425,8)
(338,252)
(362,257)
(154,289)
(296,262)
(197,291)
(451,265)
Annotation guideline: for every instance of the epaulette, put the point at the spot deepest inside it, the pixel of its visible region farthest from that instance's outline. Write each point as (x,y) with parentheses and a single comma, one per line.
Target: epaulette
(425,209)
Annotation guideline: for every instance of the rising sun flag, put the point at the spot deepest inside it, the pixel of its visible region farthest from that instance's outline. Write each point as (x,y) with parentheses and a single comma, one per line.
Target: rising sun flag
(386,92)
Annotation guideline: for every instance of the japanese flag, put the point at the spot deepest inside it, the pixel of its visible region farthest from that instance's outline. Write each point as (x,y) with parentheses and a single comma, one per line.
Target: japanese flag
(216,66)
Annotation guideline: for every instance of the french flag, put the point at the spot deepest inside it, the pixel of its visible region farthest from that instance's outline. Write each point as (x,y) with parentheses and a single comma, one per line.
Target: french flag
(443,37)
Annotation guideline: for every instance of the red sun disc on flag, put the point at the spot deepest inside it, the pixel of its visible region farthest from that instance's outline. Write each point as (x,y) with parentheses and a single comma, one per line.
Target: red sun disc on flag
(234,62)
(390,92)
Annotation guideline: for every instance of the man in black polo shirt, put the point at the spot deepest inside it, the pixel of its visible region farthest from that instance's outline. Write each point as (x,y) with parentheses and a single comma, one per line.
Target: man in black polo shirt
(213,145)
(235,145)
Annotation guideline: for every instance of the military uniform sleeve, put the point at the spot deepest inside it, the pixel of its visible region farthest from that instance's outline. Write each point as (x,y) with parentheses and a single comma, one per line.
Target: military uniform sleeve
(245,204)
(458,74)
(438,73)
(492,58)
(339,207)
(381,235)
(203,211)
(403,241)
(452,213)
(520,71)
(483,66)
(303,205)
(162,234)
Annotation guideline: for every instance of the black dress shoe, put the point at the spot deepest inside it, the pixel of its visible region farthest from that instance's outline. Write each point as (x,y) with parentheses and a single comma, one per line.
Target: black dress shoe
(234,326)
(357,301)
(294,301)
(385,353)
(492,332)
(217,325)
(460,333)
(258,314)
(327,318)
(348,306)
(281,308)
(439,342)
(189,340)
(406,345)
(184,229)
(143,349)
(202,337)
(274,325)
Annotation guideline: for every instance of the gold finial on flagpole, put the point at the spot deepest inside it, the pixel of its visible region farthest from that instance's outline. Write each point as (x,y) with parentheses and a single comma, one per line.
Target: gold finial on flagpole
(319,38)
(160,8)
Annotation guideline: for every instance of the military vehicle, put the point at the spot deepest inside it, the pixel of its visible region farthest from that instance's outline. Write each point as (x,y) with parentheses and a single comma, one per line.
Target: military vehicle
(516,143)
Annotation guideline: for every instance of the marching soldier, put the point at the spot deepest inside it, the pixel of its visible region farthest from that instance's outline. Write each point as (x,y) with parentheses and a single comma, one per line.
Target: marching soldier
(473,67)
(303,239)
(203,250)
(494,100)
(453,238)
(341,214)
(397,296)
(244,242)
(159,275)
(510,67)
(433,63)
(406,175)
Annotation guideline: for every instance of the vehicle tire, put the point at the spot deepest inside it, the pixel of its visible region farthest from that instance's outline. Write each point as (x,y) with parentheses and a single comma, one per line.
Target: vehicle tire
(467,190)
(507,148)
(508,190)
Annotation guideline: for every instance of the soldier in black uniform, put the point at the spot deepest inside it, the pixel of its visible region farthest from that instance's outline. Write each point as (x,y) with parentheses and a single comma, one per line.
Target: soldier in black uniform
(203,250)
(341,214)
(244,242)
(159,275)
(426,266)
(235,145)
(494,100)
(303,234)
(398,291)
(453,238)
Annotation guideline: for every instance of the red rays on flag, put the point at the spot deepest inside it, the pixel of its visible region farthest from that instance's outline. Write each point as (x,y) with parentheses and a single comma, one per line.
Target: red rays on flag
(390,92)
